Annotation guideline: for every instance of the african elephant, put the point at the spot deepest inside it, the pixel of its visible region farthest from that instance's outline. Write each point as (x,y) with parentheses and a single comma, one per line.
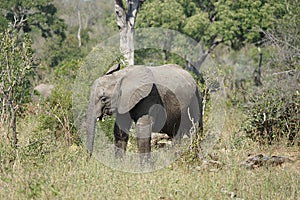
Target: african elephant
(158,99)
(42,91)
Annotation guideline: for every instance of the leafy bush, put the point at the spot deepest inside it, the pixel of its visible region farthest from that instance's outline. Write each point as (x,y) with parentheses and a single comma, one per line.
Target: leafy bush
(57,115)
(107,126)
(274,115)
(15,76)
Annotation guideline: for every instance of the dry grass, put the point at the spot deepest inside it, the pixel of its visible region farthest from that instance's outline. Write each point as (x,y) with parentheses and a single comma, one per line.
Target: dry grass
(65,174)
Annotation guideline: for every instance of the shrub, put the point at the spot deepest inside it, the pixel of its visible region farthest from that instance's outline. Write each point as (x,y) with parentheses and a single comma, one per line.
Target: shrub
(15,76)
(107,126)
(56,115)
(56,111)
(273,115)
(274,111)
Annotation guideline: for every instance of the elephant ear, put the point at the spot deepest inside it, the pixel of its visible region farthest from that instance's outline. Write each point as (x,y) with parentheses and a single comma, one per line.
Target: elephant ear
(135,85)
(113,69)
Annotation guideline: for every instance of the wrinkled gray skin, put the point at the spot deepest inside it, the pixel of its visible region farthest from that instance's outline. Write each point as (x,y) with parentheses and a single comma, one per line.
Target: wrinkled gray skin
(157,99)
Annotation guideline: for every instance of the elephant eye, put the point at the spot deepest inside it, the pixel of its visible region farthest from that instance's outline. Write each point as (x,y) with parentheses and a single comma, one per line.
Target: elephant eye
(103,99)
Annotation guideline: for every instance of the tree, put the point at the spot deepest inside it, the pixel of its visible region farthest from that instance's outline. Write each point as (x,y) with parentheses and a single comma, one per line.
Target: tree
(28,15)
(161,14)
(37,18)
(15,68)
(213,22)
(67,49)
(126,22)
(284,37)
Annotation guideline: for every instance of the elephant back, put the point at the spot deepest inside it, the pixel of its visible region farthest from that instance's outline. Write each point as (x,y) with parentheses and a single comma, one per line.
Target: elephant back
(172,78)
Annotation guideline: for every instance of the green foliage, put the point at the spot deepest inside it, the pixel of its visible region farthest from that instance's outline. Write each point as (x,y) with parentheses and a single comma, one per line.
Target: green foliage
(274,115)
(155,57)
(3,23)
(6,156)
(284,38)
(15,75)
(67,70)
(197,27)
(193,154)
(15,65)
(57,113)
(28,15)
(30,156)
(107,126)
(38,19)
(242,21)
(166,14)
(274,112)
(66,49)
(235,22)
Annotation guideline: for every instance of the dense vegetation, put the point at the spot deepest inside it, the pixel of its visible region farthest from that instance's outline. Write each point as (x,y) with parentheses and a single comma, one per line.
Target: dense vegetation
(254,47)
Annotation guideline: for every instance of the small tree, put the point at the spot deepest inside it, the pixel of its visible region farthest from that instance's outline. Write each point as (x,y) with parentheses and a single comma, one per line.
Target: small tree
(15,67)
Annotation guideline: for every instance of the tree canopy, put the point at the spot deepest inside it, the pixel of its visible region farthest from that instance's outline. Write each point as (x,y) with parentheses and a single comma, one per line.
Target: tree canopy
(233,22)
(27,15)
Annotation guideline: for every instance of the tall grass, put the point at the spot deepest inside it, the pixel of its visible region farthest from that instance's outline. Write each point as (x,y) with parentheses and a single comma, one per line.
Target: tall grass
(62,172)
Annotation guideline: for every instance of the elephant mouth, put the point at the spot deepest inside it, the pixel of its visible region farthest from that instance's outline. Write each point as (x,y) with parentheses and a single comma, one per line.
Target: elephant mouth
(105,112)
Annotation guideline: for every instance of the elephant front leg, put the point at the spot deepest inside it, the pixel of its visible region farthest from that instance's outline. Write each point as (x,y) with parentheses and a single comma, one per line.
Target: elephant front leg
(143,136)
(121,140)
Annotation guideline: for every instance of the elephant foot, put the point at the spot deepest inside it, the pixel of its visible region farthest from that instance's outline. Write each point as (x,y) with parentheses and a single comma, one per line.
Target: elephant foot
(145,161)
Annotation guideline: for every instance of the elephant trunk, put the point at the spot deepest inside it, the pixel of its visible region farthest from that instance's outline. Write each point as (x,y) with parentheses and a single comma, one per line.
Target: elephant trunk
(90,128)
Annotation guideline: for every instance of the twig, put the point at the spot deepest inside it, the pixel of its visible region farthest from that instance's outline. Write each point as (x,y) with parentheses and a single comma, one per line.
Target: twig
(193,129)
(277,41)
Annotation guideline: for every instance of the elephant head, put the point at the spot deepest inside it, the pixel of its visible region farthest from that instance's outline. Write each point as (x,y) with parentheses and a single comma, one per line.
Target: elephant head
(118,91)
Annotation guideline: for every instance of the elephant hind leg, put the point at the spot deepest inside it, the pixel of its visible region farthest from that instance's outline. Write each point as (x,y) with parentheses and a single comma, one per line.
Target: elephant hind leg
(143,136)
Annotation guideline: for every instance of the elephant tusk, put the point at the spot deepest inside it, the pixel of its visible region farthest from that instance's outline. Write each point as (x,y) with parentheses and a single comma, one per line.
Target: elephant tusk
(99,118)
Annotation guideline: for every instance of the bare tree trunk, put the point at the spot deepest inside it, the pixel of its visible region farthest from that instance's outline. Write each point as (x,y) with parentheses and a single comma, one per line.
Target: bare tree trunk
(126,22)
(126,44)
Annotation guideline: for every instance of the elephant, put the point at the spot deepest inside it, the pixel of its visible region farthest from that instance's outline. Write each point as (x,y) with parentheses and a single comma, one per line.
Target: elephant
(163,99)
(42,91)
